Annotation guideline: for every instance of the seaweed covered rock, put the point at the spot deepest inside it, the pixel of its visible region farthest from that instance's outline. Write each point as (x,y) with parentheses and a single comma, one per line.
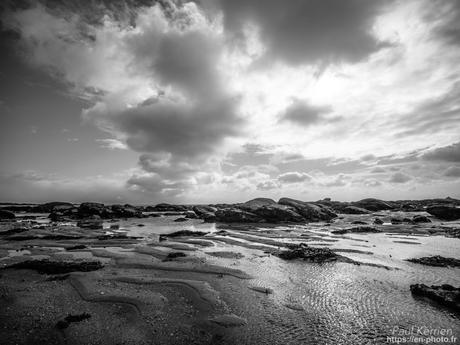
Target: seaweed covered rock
(444,212)
(437,261)
(305,252)
(57,267)
(354,210)
(236,215)
(356,229)
(445,294)
(421,219)
(4,214)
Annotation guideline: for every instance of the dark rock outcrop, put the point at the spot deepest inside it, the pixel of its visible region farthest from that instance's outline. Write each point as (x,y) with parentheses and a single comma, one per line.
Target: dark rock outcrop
(437,261)
(357,229)
(88,209)
(52,206)
(305,252)
(311,212)
(444,212)
(378,221)
(272,212)
(4,214)
(445,294)
(125,211)
(57,267)
(354,210)
(163,207)
(236,215)
(421,219)
(372,204)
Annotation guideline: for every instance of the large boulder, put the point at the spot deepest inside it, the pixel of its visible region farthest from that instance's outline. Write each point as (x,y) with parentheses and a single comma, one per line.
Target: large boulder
(270,211)
(236,215)
(445,294)
(163,207)
(305,252)
(371,204)
(207,213)
(311,212)
(125,211)
(354,210)
(4,214)
(88,209)
(51,206)
(444,212)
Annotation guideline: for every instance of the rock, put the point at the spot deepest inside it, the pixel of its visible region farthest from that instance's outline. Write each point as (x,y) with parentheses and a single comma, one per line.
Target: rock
(174,255)
(358,222)
(371,204)
(92,223)
(126,211)
(76,247)
(88,209)
(354,210)
(311,212)
(190,215)
(183,233)
(357,229)
(378,221)
(262,289)
(51,206)
(444,212)
(421,219)
(63,324)
(182,219)
(236,215)
(114,226)
(445,294)
(57,267)
(271,212)
(4,214)
(437,261)
(229,320)
(207,213)
(396,221)
(305,252)
(166,207)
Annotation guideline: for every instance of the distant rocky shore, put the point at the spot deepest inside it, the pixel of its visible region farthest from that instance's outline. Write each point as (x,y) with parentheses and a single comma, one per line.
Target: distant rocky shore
(259,210)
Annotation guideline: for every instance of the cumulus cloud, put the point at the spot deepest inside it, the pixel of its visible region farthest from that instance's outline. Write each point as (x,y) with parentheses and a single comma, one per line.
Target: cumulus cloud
(112,144)
(294,177)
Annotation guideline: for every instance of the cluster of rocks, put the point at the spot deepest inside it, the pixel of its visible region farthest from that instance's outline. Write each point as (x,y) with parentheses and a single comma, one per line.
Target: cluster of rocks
(307,253)
(445,294)
(437,261)
(356,229)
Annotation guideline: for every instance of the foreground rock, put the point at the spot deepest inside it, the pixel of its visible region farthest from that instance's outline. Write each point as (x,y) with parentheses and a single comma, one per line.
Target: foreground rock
(57,267)
(444,212)
(6,214)
(305,252)
(356,229)
(446,295)
(437,261)
(92,223)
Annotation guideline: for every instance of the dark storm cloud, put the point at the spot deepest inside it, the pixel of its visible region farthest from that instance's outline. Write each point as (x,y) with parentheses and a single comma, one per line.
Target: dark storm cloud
(293,177)
(300,31)
(447,12)
(304,114)
(449,153)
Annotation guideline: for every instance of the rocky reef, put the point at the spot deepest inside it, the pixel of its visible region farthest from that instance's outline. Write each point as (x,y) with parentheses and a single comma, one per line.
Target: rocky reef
(445,294)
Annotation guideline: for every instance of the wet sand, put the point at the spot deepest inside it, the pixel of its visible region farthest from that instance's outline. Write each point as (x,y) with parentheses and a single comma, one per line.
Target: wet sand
(225,287)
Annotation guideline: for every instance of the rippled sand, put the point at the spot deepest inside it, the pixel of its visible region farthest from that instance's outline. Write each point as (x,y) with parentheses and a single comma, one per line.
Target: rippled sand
(226,288)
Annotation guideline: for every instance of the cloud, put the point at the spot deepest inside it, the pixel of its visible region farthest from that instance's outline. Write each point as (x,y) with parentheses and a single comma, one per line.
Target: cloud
(304,114)
(294,177)
(449,153)
(399,178)
(112,144)
(268,185)
(299,31)
(452,172)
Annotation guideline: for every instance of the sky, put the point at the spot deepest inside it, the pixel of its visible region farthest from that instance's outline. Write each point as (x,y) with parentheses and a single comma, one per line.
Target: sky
(212,101)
